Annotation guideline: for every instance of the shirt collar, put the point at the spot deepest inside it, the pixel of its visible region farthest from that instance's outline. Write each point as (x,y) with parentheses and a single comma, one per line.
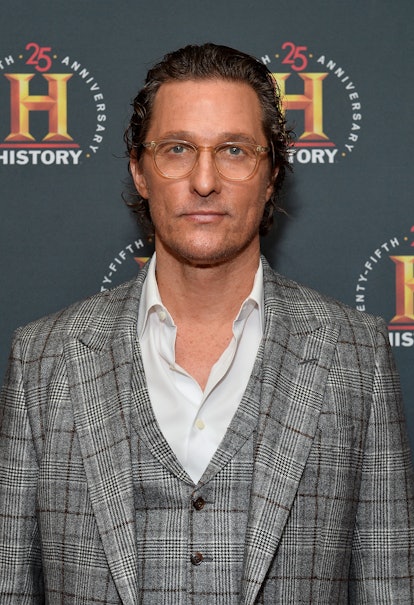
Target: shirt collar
(151,299)
(255,298)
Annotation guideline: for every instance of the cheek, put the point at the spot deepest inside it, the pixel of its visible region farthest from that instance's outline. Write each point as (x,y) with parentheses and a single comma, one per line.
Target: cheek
(161,202)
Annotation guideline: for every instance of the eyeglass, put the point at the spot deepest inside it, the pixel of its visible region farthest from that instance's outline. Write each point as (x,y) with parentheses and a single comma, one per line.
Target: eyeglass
(176,159)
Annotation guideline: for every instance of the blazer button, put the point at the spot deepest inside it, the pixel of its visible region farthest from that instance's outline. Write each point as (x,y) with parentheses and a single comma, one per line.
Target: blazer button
(199,503)
(196,558)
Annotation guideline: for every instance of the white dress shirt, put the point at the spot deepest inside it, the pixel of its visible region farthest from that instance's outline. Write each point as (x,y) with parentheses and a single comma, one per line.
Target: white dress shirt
(194,421)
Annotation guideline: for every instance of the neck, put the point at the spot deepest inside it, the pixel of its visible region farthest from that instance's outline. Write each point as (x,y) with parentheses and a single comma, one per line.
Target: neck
(206,293)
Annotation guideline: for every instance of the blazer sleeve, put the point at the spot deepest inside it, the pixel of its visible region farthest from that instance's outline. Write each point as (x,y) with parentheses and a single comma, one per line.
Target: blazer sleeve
(20,553)
(382,565)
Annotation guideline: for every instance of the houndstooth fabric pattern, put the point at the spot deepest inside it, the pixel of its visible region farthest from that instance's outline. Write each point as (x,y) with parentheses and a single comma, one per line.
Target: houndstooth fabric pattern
(330,514)
(190,539)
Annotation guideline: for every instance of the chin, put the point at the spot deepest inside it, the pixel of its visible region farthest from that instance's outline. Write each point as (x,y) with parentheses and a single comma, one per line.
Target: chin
(206,257)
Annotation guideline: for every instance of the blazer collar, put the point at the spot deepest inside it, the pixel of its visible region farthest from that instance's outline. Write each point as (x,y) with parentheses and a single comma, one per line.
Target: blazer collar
(104,361)
(298,352)
(100,366)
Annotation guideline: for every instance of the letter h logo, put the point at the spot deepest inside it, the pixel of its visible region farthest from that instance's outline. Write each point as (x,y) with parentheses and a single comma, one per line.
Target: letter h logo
(404,289)
(310,102)
(22,103)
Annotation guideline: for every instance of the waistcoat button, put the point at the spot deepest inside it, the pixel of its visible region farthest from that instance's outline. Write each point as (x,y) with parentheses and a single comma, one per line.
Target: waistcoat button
(196,558)
(199,503)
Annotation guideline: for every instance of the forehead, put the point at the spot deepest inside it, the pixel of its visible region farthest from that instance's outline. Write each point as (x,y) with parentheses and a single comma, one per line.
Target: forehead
(207,109)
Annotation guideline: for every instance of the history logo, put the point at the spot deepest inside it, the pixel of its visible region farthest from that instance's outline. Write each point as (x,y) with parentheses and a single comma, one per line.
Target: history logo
(53,110)
(385,286)
(321,103)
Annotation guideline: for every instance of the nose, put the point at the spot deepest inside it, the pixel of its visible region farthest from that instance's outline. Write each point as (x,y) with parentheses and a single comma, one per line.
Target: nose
(205,178)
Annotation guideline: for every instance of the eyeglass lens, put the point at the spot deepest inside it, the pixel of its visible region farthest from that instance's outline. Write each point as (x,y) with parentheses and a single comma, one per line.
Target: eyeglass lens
(233,161)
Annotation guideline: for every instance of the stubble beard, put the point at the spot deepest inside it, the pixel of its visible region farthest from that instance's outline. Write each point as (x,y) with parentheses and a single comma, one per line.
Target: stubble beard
(194,255)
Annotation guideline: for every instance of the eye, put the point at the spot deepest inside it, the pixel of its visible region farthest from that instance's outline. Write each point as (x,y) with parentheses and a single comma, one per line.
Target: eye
(235,151)
(175,148)
(178,149)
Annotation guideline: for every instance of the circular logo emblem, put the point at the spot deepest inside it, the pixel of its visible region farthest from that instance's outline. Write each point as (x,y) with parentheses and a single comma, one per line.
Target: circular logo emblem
(126,264)
(321,101)
(385,286)
(53,110)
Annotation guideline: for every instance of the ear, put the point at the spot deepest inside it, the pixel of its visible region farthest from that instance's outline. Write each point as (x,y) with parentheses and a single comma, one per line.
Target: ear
(138,177)
(271,184)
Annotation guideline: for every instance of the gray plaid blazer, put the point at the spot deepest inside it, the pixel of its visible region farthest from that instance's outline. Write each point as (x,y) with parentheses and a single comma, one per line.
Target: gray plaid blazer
(331,507)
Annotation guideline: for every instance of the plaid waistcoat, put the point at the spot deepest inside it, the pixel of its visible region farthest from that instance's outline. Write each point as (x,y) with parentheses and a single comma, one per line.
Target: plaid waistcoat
(191,539)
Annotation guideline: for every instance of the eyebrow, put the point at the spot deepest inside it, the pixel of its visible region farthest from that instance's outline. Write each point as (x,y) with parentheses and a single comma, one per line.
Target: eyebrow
(225,136)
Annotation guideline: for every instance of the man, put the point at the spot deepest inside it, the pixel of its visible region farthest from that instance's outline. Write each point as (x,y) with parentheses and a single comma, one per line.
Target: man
(211,432)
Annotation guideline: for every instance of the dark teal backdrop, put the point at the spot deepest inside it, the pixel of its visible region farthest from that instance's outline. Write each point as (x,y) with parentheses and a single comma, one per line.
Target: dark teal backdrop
(65,232)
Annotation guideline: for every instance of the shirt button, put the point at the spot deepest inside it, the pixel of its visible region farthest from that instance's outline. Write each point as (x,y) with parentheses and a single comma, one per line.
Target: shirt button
(199,503)
(196,558)
(200,424)
(162,316)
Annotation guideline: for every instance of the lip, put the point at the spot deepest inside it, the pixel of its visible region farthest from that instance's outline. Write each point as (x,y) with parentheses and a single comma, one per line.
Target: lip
(204,216)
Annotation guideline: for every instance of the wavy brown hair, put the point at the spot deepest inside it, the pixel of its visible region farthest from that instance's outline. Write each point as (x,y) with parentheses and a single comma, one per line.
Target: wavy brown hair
(212,61)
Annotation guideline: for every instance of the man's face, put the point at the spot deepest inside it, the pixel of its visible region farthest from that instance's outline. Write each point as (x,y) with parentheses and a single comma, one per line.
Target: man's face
(204,219)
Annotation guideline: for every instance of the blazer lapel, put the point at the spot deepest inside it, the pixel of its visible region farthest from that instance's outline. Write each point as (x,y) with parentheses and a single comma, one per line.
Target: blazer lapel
(99,365)
(145,423)
(297,357)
